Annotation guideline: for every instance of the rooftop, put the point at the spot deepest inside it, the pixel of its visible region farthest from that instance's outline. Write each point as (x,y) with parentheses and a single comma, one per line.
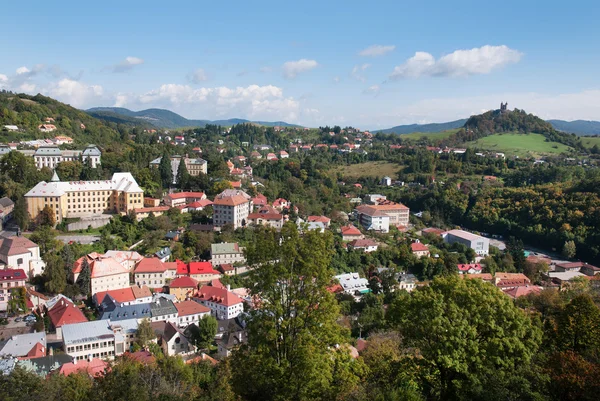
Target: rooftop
(120,182)
(218,295)
(65,312)
(183,282)
(150,265)
(187,308)
(224,247)
(95,330)
(20,345)
(464,234)
(16,245)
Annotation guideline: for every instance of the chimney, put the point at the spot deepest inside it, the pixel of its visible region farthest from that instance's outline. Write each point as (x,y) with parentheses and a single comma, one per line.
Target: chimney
(228,287)
(75,361)
(90,358)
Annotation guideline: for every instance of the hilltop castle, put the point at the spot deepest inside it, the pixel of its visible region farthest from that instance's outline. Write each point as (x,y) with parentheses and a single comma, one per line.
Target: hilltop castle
(503,107)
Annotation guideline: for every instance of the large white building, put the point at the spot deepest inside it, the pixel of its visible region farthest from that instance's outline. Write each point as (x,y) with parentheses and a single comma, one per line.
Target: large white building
(99,338)
(51,156)
(373,219)
(73,199)
(106,273)
(353,283)
(223,303)
(231,206)
(479,244)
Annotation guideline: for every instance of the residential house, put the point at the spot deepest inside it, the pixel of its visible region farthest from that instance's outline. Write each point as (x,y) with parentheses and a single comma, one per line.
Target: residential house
(92,367)
(226,253)
(46,127)
(62,311)
(99,339)
(231,207)
(21,345)
(44,365)
(471,268)
(163,254)
(152,272)
(419,250)
(183,198)
(226,269)
(203,272)
(406,281)
(106,273)
(171,339)
(353,284)
(283,154)
(183,287)
(506,281)
(323,219)
(163,309)
(230,341)
(281,204)
(9,280)
(190,312)
(479,244)
(21,253)
(365,245)
(194,166)
(351,233)
(386,181)
(223,303)
(125,296)
(127,259)
(266,217)
(259,201)
(112,310)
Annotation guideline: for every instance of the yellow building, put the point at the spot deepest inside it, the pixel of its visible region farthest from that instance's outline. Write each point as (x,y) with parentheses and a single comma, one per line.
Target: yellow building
(73,199)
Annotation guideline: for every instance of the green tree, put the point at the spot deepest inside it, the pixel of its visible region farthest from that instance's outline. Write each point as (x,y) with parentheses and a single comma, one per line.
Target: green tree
(145,333)
(183,175)
(55,279)
(579,325)
(45,237)
(569,249)
(220,186)
(165,170)
(292,337)
(463,331)
(84,278)
(47,217)
(18,300)
(20,213)
(514,247)
(207,329)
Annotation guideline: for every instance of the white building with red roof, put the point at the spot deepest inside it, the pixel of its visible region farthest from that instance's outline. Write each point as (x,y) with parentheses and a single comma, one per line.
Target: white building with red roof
(9,279)
(321,219)
(189,312)
(420,250)
(183,198)
(22,253)
(62,311)
(203,272)
(223,304)
(350,233)
(105,272)
(153,273)
(281,204)
(231,207)
(469,268)
(365,245)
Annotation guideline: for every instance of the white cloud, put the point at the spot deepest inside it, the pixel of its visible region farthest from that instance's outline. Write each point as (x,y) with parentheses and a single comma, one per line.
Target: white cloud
(376,50)
(265,69)
(373,89)
(253,101)
(292,68)
(197,76)
(75,93)
(477,61)
(356,72)
(126,64)
(27,87)
(3,78)
(22,70)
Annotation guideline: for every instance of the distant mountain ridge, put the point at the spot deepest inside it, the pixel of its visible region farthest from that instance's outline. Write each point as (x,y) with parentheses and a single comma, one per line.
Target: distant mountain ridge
(161,118)
(577,127)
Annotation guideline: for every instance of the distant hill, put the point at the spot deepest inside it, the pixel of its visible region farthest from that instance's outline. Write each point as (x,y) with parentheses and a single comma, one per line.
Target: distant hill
(579,127)
(162,118)
(434,127)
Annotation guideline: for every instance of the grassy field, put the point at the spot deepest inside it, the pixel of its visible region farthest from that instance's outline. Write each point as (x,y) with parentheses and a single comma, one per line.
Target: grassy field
(591,141)
(429,135)
(370,169)
(519,144)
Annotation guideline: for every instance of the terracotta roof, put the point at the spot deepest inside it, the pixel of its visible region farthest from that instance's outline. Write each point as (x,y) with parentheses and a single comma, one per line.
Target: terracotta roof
(182,267)
(433,230)
(121,295)
(202,357)
(200,203)
(350,230)
(170,265)
(183,282)
(202,268)
(335,288)
(322,219)
(16,245)
(467,267)
(123,256)
(187,308)
(362,243)
(150,265)
(144,357)
(38,351)
(185,195)
(234,200)
(95,367)
(265,216)
(418,247)
(227,267)
(511,276)
(216,283)
(151,209)
(482,276)
(65,312)
(102,267)
(370,210)
(522,291)
(143,292)
(218,295)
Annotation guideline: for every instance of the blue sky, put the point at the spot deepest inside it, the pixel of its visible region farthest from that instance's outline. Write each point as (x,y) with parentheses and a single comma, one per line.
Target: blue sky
(366,64)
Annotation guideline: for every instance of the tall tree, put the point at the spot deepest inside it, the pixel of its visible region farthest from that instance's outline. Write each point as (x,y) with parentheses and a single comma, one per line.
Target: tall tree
(463,332)
(18,300)
(20,213)
(84,278)
(47,217)
(579,325)
(515,248)
(145,333)
(183,175)
(207,329)
(55,279)
(292,337)
(569,249)
(165,170)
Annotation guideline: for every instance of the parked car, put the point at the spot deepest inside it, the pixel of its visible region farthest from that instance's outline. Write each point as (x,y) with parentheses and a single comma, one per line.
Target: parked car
(18,319)
(30,318)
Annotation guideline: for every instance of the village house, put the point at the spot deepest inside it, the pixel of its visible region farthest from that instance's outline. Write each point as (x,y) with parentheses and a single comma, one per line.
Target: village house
(203,272)
(471,268)
(171,339)
(183,198)
(351,233)
(24,345)
(267,216)
(353,284)
(323,219)
(231,207)
(125,296)
(365,245)
(154,273)
(62,311)
(419,250)
(183,287)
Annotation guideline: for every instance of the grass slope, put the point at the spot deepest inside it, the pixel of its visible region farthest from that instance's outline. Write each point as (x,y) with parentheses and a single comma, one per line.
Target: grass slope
(429,135)
(370,169)
(519,144)
(591,141)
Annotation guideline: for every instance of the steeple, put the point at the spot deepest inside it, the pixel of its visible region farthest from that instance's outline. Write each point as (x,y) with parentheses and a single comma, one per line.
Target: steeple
(55,177)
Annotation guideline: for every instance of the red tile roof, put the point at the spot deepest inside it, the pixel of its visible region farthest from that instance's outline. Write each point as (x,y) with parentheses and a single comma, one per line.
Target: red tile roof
(216,283)
(202,268)
(95,367)
(418,247)
(362,243)
(320,219)
(144,357)
(38,351)
(467,267)
(151,209)
(200,203)
(185,195)
(187,308)
(121,295)
(182,268)
(265,216)
(65,312)
(350,230)
(16,245)
(522,291)
(218,295)
(150,265)
(234,200)
(183,282)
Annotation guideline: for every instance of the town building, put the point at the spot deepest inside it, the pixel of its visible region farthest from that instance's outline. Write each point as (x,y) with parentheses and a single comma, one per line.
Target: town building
(373,219)
(365,245)
(223,303)
(353,284)
(194,166)
(99,339)
(266,216)
(105,272)
(127,259)
(231,207)
(183,198)
(322,219)
(62,311)
(6,210)
(21,345)
(190,312)
(479,244)
(406,281)
(21,253)
(419,250)
(154,273)
(171,339)
(51,156)
(183,287)
(351,233)
(125,296)
(73,199)
(469,268)
(10,279)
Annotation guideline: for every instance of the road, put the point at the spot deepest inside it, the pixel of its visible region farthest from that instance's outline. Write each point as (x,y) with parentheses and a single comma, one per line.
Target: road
(82,239)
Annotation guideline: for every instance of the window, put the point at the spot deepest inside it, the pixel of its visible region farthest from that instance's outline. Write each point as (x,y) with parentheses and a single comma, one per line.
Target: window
(20,261)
